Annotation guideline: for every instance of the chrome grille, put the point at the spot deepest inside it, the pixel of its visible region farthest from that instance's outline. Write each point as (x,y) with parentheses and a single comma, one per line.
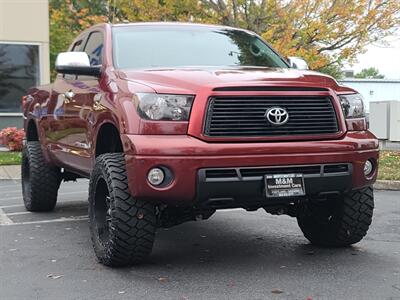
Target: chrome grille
(245,116)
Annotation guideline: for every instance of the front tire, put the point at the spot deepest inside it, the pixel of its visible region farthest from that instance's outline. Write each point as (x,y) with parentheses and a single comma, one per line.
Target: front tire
(338,222)
(40,181)
(122,228)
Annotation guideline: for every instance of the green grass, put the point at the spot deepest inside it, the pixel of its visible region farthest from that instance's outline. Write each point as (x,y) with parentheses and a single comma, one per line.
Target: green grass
(389,165)
(10,158)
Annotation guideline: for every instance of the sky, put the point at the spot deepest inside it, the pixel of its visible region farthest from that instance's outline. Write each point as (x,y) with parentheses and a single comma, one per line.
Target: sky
(385,59)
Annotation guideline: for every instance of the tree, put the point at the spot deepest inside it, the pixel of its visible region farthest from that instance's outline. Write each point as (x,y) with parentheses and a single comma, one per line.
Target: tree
(370,73)
(66,21)
(326,33)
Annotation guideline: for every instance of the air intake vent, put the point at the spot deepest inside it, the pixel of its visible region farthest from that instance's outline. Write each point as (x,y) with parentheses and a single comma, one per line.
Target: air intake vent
(336,168)
(251,172)
(221,173)
(259,172)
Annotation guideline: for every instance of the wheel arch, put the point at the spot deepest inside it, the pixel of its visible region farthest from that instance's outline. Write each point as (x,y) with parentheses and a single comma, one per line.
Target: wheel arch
(108,139)
(32,132)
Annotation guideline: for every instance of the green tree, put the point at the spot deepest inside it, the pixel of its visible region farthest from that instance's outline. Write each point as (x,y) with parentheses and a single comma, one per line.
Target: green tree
(370,73)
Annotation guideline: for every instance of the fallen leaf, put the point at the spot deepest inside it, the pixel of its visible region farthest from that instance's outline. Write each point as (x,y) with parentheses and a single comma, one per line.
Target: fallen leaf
(276,291)
(162,279)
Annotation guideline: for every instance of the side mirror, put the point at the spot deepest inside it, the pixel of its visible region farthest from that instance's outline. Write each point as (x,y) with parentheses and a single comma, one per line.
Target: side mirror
(76,63)
(297,63)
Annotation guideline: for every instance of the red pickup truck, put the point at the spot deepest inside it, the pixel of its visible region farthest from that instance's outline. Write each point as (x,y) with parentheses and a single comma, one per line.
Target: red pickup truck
(173,121)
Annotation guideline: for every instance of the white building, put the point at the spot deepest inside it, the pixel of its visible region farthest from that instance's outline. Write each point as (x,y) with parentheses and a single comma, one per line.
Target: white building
(24,54)
(375,89)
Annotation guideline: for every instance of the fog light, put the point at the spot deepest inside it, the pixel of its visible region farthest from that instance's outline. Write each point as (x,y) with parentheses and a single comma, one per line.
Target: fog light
(368,168)
(156,176)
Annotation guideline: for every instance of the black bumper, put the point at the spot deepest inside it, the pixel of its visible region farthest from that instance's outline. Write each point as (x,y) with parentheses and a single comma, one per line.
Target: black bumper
(245,187)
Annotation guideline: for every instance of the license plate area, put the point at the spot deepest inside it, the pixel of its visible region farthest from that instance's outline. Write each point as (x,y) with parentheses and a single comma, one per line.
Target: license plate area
(284,185)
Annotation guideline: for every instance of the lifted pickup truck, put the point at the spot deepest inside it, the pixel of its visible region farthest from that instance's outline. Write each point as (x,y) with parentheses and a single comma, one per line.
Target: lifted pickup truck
(173,121)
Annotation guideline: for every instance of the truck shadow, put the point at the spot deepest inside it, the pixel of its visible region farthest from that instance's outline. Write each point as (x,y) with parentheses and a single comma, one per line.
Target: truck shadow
(245,244)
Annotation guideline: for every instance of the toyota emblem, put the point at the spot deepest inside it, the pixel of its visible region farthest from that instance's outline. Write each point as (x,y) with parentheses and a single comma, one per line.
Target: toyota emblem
(277,116)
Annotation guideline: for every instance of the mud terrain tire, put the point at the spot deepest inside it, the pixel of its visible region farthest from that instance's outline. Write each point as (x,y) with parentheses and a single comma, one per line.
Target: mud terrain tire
(122,228)
(341,222)
(40,181)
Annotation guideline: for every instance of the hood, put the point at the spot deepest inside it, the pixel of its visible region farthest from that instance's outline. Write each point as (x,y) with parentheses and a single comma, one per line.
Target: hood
(193,80)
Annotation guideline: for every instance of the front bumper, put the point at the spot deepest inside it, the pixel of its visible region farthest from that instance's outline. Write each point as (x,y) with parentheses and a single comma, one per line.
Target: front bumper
(188,158)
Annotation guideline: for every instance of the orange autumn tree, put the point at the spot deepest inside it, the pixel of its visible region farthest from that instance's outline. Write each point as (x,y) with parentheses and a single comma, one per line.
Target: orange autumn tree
(327,33)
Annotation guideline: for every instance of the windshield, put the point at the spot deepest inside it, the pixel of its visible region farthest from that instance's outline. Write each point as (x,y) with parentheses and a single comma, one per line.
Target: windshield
(144,47)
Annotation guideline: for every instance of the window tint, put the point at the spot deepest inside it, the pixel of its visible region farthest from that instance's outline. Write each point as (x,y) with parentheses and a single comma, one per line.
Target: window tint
(157,46)
(94,48)
(19,70)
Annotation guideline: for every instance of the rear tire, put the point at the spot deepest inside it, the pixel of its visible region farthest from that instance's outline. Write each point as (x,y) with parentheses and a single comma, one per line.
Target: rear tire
(339,222)
(122,228)
(40,181)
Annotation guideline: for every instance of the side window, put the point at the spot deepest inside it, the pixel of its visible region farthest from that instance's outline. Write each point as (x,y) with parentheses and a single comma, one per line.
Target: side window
(78,46)
(94,48)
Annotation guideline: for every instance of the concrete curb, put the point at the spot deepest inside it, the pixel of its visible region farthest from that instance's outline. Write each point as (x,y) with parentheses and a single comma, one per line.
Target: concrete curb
(391,185)
(13,172)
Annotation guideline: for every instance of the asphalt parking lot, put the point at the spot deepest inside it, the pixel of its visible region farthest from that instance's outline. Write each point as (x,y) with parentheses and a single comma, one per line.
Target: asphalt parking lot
(234,255)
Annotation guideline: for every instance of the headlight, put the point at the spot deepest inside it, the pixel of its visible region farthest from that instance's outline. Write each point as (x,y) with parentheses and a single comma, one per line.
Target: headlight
(352,106)
(164,107)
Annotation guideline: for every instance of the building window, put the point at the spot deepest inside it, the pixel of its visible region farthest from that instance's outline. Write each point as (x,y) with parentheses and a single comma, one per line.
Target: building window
(19,70)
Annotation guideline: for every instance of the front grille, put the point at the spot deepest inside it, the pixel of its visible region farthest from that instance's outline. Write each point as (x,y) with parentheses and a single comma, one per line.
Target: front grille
(245,116)
(316,170)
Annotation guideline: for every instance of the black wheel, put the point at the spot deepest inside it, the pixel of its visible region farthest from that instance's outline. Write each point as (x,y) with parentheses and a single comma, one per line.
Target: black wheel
(339,222)
(122,228)
(40,181)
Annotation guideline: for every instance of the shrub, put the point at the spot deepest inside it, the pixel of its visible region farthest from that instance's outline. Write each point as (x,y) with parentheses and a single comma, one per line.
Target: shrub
(12,138)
